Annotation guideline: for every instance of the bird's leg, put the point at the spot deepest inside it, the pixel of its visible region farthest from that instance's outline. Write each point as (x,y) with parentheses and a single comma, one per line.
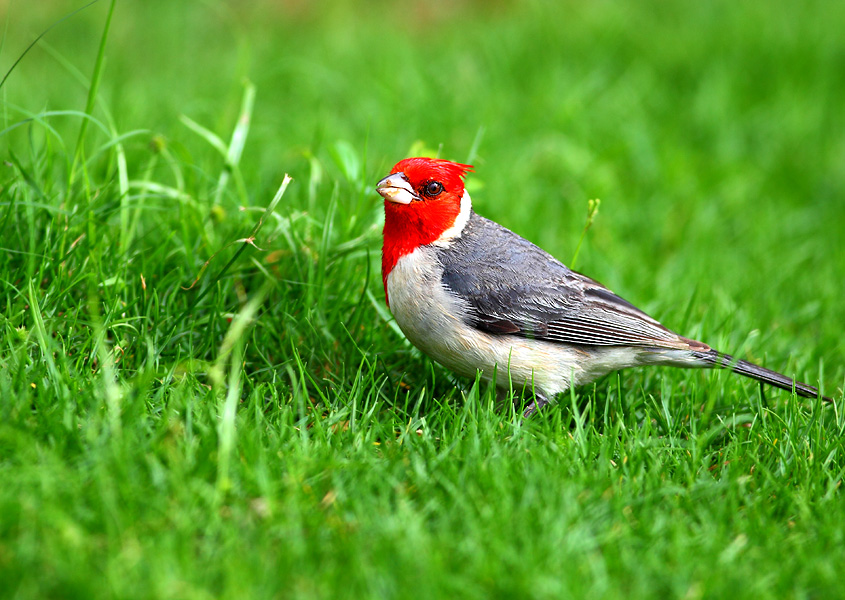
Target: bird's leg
(539,402)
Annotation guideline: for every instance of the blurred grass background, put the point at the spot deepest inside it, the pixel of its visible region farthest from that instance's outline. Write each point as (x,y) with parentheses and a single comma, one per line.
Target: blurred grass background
(157,442)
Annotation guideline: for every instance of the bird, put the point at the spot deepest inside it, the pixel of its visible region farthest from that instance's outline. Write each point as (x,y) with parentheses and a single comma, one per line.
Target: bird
(478,298)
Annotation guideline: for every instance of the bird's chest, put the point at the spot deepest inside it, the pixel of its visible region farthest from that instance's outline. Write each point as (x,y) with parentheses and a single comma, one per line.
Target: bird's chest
(430,317)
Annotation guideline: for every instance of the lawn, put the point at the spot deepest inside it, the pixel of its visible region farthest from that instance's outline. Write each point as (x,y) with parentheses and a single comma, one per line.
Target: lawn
(203,395)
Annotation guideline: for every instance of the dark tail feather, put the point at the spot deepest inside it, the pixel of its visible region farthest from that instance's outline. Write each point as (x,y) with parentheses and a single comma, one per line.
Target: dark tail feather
(717,359)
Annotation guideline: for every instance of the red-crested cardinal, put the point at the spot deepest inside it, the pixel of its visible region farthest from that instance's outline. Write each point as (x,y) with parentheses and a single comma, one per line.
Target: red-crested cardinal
(475,296)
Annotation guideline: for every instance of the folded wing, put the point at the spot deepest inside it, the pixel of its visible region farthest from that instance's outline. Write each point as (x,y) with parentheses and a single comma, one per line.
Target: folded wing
(513,287)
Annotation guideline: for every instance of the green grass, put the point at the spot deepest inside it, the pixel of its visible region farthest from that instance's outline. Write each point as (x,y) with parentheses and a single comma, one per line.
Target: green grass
(202,394)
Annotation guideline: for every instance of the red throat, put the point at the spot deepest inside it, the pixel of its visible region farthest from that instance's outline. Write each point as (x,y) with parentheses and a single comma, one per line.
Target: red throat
(409,226)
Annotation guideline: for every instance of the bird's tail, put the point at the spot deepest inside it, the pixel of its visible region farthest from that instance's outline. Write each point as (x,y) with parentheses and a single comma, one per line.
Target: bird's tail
(717,359)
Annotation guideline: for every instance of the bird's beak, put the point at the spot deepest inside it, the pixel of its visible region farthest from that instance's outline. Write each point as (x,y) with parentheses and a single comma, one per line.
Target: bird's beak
(396,188)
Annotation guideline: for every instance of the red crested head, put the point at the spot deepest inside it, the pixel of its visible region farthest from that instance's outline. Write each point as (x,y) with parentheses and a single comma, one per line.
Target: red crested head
(421,170)
(423,199)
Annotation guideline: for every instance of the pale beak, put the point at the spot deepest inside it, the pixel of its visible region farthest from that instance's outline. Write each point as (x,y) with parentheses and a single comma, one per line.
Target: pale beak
(396,188)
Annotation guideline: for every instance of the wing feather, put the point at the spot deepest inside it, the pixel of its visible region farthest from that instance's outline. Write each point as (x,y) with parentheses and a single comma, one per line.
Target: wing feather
(512,287)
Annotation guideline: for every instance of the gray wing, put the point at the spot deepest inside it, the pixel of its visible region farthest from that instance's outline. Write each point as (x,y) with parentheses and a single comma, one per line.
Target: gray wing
(512,287)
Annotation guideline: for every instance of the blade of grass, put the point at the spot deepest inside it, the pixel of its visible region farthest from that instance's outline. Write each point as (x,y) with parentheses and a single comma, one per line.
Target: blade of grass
(231,352)
(44,343)
(592,211)
(233,152)
(92,93)
(245,242)
(41,35)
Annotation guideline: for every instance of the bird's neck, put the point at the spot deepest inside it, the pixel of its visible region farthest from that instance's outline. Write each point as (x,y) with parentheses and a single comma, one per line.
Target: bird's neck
(407,227)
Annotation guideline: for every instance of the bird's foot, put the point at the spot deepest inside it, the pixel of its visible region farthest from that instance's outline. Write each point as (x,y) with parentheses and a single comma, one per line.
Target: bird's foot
(539,402)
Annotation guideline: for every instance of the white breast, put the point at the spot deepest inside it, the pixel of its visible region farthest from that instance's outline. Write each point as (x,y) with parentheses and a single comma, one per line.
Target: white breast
(432,319)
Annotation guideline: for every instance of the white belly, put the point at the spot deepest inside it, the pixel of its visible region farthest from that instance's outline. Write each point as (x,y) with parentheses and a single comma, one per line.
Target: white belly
(432,320)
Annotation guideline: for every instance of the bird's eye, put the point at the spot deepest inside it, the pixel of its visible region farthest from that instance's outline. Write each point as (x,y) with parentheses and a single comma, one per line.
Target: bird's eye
(433,189)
